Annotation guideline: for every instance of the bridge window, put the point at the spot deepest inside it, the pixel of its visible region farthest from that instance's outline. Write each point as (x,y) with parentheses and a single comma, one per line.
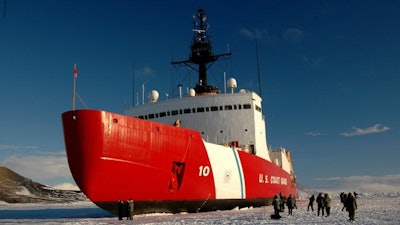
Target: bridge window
(246,106)
(228,107)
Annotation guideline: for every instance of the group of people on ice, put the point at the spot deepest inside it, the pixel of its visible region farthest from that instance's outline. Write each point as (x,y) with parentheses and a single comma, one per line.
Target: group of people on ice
(126,209)
(279,202)
(324,203)
(349,202)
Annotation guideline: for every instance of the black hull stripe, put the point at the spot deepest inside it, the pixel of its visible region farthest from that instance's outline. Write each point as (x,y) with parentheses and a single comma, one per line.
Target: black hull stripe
(193,206)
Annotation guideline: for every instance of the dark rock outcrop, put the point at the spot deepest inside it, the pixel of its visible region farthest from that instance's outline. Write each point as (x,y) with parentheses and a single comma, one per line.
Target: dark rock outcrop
(18,189)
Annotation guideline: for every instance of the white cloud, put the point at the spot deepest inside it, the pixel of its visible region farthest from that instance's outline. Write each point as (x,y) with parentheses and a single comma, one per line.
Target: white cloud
(147,71)
(247,33)
(370,184)
(254,34)
(293,35)
(313,134)
(29,150)
(39,167)
(377,128)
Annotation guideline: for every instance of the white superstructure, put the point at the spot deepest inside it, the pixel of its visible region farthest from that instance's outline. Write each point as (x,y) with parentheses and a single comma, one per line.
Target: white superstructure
(233,119)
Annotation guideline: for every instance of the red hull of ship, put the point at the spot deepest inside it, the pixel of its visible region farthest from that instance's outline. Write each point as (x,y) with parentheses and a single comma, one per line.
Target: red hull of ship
(116,157)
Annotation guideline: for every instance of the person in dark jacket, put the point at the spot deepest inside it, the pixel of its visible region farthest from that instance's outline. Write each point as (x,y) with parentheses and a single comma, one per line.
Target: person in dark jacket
(126,209)
(351,205)
(320,203)
(343,197)
(290,202)
(311,203)
(120,209)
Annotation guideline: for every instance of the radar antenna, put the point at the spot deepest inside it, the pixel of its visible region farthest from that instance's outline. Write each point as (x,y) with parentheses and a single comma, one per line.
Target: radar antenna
(201,54)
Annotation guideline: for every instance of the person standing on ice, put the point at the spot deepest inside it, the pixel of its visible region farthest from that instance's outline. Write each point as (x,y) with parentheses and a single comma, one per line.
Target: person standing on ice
(282,201)
(351,205)
(343,198)
(290,202)
(131,208)
(276,203)
(327,204)
(120,209)
(126,209)
(320,203)
(311,203)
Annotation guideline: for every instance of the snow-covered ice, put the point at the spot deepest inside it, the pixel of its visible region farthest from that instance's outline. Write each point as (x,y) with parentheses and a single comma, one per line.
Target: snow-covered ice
(372,209)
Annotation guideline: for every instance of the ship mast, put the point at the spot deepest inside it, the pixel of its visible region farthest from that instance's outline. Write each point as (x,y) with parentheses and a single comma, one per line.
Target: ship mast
(201,54)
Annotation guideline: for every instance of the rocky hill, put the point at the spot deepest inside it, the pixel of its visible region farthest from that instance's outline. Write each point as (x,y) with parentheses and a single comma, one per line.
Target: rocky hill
(18,189)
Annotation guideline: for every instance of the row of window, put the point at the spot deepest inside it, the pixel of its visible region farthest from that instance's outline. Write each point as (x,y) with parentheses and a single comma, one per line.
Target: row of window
(198,110)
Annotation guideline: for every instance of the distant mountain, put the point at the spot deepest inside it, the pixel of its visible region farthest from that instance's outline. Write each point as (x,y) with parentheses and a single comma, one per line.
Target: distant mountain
(18,189)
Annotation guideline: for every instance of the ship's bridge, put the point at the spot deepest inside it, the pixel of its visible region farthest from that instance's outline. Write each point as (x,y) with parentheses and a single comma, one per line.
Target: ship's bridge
(233,119)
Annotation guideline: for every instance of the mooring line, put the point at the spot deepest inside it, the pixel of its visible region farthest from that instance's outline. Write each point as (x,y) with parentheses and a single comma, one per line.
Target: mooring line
(204,202)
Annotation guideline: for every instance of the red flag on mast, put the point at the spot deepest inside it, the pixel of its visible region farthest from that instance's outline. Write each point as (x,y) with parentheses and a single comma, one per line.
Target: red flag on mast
(75,71)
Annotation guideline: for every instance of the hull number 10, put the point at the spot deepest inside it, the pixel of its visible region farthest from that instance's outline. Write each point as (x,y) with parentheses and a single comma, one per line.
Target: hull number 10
(204,171)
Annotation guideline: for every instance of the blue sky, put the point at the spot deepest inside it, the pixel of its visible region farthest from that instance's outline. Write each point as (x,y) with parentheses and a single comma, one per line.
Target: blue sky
(330,72)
